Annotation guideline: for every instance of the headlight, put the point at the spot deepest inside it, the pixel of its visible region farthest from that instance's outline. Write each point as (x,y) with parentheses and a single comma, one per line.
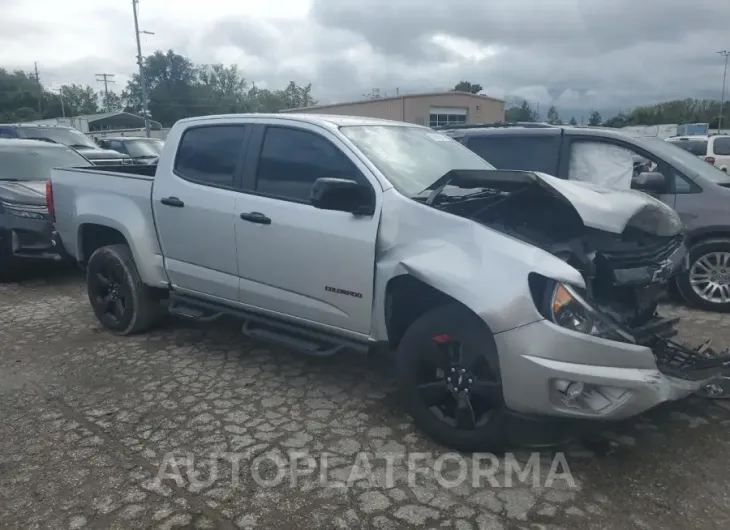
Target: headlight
(568,309)
(565,306)
(24,211)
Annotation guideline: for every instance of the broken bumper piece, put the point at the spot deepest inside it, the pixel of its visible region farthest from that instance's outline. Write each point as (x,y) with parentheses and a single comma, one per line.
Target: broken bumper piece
(553,371)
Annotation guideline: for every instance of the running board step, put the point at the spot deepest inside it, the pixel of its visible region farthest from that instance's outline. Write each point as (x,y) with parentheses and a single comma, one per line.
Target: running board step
(192,312)
(296,337)
(286,338)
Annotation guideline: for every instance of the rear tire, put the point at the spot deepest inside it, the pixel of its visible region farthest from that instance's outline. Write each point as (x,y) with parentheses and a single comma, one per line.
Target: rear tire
(120,300)
(707,252)
(422,347)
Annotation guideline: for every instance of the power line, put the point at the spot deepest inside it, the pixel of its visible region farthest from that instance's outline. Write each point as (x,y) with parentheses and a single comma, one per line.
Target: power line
(142,80)
(106,79)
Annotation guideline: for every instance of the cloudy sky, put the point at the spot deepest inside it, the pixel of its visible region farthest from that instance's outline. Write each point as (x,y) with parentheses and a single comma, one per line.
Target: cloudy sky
(578,54)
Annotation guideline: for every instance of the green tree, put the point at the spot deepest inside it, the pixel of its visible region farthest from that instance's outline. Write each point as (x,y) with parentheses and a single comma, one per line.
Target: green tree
(173,89)
(79,99)
(618,121)
(110,101)
(19,90)
(263,100)
(553,117)
(595,119)
(573,121)
(224,86)
(522,113)
(466,86)
(176,88)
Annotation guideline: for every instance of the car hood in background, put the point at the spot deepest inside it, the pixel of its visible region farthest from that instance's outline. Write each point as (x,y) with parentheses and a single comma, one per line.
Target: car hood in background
(27,192)
(101,154)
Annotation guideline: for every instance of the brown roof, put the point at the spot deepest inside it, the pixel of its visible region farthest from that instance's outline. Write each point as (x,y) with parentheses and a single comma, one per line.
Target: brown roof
(401,96)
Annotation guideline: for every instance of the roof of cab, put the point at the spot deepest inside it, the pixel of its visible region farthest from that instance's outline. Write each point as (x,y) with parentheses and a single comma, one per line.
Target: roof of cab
(320,119)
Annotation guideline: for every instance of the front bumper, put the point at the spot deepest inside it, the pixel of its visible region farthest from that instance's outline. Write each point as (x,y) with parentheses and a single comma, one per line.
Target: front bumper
(619,380)
(28,240)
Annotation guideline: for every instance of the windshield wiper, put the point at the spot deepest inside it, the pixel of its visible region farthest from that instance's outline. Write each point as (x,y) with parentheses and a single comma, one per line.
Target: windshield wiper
(4,179)
(77,146)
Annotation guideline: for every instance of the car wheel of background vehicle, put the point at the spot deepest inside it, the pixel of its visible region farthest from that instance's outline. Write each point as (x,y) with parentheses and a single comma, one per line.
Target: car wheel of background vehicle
(448,371)
(706,285)
(119,298)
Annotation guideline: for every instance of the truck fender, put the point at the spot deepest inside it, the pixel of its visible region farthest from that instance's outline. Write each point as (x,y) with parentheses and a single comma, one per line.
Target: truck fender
(134,229)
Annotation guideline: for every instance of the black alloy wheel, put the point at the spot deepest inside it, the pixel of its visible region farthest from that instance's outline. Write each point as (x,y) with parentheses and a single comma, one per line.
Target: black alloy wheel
(110,292)
(448,370)
(120,299)
(457,384)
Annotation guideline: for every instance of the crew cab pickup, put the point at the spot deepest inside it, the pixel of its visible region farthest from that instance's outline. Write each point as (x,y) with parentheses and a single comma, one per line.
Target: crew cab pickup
(503,293)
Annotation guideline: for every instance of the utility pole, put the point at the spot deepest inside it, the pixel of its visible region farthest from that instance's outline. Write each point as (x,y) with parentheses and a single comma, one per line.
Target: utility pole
(106,79)
(40,89)
(142,81)
(726,54)
(63,107)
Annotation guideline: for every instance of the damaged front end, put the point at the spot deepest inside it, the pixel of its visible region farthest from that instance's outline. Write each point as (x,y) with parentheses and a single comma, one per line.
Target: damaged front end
(626,245)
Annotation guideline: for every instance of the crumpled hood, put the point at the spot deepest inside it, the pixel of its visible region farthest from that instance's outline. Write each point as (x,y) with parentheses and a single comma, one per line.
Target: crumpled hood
(612,210)
(28,192)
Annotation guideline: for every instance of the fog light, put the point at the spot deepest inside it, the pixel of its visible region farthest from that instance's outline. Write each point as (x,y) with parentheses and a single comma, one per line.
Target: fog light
(574,390)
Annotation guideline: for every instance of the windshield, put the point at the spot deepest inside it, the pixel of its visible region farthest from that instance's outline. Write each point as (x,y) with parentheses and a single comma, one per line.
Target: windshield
(411,158)
(35,163)
(684,159)
(144,148)
(60,135)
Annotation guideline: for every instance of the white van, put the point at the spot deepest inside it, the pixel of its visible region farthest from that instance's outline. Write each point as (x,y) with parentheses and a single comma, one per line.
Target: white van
(714,149)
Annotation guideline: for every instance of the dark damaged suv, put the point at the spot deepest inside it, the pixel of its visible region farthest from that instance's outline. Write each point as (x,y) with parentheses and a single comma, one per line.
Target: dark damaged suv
(699,192)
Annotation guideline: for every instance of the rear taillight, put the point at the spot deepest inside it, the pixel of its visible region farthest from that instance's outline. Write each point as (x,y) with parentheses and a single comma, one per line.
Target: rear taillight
(710,160)
(49,201)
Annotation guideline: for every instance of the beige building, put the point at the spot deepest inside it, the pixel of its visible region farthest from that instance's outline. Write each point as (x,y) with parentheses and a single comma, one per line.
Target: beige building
(432,109)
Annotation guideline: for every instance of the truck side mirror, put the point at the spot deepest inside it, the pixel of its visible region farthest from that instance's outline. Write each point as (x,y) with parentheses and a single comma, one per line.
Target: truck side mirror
(342,195)
(651,182)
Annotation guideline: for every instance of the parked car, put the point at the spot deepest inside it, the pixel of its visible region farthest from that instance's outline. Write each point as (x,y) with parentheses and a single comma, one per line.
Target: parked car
(714,149)
(66,136)
(507,295)
(699,192)
(141,150)
(26,231)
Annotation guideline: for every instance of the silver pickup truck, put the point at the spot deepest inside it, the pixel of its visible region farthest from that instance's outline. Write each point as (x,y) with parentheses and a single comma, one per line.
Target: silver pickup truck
(502,293)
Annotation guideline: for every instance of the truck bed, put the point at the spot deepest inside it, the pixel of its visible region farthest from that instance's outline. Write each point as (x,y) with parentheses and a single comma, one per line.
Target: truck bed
(88,201)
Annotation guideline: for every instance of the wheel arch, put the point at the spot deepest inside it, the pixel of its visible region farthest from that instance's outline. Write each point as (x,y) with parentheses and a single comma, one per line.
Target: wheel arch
(406,299)
(709,234)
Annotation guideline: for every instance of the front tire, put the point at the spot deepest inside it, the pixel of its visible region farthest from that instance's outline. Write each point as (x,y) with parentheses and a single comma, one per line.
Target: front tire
(120,300)
(448,371)
(706,285)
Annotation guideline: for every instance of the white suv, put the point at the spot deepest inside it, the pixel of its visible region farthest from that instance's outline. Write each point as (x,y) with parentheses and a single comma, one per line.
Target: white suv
(713,149)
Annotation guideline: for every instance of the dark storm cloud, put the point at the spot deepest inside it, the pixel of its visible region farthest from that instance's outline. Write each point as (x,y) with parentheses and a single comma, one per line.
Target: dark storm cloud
(620,51)
(575,53)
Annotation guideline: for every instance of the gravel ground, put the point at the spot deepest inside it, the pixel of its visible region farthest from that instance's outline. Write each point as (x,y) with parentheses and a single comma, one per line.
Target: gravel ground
(88,421)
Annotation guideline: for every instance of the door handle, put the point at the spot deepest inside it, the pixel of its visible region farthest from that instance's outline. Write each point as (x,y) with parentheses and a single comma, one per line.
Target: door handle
(256,217)
(172,201)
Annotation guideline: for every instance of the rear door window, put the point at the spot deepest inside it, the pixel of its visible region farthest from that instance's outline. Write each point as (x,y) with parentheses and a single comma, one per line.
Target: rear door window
(696,147)
(525,153)
(721,146)
(210,154)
